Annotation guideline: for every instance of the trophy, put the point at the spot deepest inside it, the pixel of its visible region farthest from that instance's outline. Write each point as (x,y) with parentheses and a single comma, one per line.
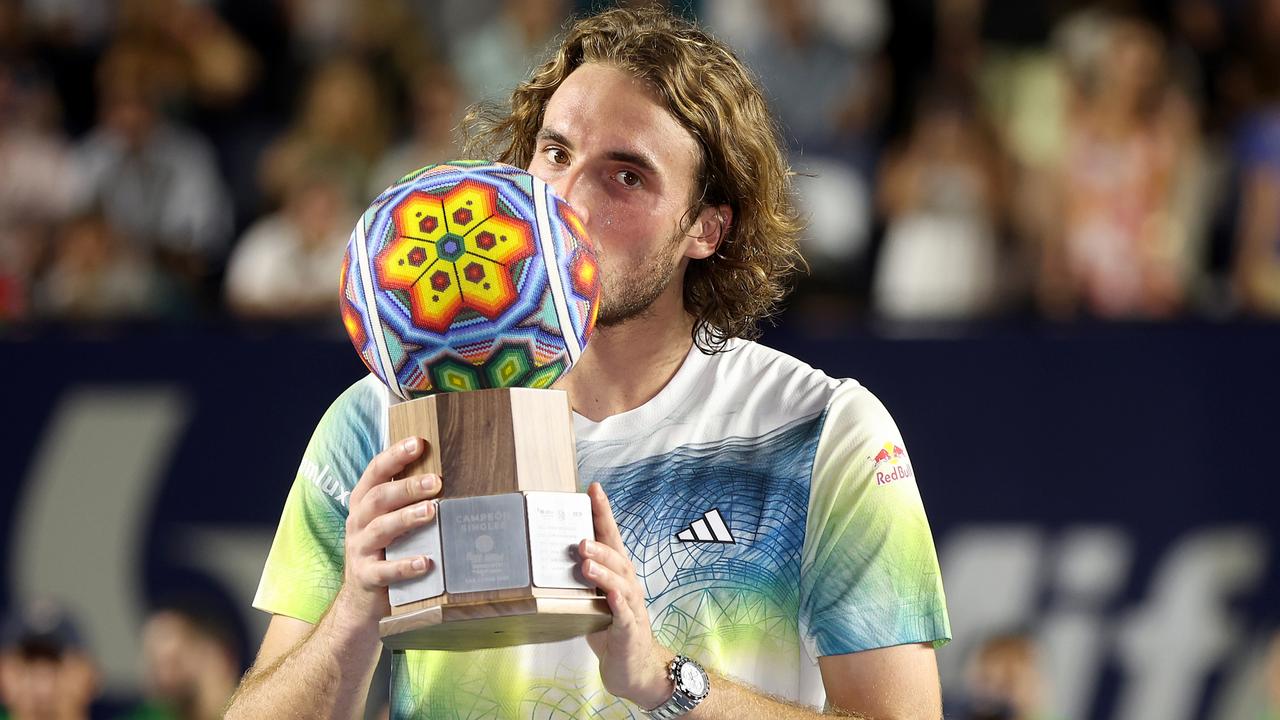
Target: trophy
(469,288)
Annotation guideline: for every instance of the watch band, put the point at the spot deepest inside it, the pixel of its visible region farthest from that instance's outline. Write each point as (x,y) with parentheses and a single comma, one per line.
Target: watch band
(681,701)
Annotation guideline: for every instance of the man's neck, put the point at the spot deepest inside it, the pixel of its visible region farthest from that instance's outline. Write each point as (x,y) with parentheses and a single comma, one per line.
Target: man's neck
(626,365)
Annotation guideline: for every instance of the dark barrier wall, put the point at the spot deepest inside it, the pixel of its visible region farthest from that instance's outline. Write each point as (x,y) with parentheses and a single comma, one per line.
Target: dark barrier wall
(1109,489)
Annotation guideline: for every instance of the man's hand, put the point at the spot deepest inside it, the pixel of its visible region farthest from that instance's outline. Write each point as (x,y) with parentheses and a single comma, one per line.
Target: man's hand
(323,670)
(382,510)
(632,663)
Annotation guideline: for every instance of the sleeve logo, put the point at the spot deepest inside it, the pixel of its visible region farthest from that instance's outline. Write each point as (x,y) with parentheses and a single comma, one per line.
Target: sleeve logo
(890,464)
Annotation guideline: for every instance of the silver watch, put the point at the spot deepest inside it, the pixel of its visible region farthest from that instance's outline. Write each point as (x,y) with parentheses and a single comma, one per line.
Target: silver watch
(692,685)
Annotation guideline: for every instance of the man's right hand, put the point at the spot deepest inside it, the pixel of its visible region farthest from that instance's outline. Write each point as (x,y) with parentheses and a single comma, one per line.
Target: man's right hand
(381,510)
(343,647)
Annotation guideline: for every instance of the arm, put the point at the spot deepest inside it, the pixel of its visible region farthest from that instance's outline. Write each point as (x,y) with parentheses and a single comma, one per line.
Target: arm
(887,683)
(892,682)
(324,670)
(318,670)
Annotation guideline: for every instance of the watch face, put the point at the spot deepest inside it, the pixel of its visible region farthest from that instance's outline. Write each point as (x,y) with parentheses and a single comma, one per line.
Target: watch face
(693,679)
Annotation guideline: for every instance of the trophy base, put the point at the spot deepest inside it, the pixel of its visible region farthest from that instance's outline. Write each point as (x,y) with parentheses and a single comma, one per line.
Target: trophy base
(498,623)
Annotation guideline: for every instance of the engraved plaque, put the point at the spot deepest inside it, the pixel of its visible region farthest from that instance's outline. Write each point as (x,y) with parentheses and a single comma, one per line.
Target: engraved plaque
(486,546)
(506,456)
(423,541)
(558,521)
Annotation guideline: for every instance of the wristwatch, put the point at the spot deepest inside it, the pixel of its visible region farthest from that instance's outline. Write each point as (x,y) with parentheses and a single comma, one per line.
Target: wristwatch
(692,685)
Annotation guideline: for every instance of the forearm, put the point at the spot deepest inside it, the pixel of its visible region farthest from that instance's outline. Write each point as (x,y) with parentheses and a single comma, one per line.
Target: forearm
(326,675)
(729,699)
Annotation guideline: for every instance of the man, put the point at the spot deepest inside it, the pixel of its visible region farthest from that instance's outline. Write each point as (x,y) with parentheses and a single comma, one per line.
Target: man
(1003,680)
(45,670)
(190,662)
(762,519)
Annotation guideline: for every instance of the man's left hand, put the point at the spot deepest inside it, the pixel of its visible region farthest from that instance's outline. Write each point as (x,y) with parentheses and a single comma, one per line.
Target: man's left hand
(632,663)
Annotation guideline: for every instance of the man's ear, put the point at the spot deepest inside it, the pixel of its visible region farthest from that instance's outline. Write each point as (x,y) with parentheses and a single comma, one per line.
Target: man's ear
(707,231)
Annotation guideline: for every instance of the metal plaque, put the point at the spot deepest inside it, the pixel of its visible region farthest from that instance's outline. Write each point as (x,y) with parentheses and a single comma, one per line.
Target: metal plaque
(486,546)
(558,521)
(423,541)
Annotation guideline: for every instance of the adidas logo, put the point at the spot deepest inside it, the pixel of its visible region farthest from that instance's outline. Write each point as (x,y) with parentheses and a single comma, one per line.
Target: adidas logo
(710,528)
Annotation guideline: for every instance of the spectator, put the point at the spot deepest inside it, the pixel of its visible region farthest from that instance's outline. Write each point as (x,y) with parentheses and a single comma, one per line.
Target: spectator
(818,63)
(35,179)
(45,669)
(1024,95)
(220,65)
(287,264)
(191,664)
(1119,247)
(318,28)
(341,124)
(1272,679)
(1004,682)
(492,58)
(1257,156)
(435,113)
(943,194)
(92,275)
(156,183)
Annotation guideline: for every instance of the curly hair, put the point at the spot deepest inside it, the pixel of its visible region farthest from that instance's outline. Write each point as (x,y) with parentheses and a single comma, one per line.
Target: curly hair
(712,95)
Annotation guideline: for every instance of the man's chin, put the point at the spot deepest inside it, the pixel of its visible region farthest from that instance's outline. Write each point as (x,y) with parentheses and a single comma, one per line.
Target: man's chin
(609,319)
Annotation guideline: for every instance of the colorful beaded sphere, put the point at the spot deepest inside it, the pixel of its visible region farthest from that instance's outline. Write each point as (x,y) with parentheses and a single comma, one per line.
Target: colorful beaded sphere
(469,275)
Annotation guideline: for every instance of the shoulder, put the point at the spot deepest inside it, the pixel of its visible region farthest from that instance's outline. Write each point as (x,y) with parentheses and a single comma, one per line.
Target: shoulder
(852,407)
(178,138)
(364,401)
(347,437)
(266,238)
(358,414)
(748,369)
(97,148)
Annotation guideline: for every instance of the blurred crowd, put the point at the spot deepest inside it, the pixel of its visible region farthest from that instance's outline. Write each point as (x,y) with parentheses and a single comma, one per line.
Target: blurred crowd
(192,658)
(178,160)
(191,662)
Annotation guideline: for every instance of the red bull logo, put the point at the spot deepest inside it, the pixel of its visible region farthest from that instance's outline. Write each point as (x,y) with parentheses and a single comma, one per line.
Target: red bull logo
(890,464)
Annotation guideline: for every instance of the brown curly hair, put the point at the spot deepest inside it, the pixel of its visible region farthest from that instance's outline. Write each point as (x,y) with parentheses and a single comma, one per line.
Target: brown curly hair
(712,94)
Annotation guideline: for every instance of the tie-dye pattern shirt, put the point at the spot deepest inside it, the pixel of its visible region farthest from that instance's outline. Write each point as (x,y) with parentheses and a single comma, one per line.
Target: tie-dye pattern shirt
(771,511)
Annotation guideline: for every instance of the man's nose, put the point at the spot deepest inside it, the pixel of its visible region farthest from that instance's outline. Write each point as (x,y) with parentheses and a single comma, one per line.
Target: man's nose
(572,187)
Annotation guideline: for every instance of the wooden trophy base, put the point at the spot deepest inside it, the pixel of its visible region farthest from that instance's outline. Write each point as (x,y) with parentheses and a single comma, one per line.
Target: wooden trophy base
(500,623)
(506,525)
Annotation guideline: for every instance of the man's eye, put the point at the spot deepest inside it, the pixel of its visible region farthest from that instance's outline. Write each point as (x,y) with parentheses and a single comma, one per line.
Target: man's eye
(628,178)
(556,156)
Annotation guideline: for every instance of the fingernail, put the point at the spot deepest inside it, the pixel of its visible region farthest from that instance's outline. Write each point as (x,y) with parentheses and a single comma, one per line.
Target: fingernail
(411,445)
(591,569)
(421,511)
(419,563)
(430,483)
(589,547)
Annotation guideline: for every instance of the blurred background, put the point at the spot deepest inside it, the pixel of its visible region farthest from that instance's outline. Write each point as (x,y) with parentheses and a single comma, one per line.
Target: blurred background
(1046,234)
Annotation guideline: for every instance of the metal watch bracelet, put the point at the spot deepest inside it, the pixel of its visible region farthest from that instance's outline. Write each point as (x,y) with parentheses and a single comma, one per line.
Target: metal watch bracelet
(682,701)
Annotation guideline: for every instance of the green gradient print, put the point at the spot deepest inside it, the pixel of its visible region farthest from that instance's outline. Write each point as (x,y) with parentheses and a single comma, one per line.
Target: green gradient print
(870,574)
(557,680)
(304,568)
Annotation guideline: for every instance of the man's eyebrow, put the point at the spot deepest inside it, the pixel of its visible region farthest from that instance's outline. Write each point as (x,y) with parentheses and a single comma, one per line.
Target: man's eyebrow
(640,160)
(554,136)
(633,158)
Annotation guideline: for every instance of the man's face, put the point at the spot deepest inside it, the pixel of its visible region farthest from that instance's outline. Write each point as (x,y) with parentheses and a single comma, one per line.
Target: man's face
(47,687)
(167,670)
(609,147)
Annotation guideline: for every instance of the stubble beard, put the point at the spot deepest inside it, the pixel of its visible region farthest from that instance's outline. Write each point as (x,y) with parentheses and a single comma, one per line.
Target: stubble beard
(631,293)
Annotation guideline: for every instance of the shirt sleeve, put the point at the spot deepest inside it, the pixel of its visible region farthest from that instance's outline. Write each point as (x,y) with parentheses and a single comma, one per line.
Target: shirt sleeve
(304,568)
(869,570)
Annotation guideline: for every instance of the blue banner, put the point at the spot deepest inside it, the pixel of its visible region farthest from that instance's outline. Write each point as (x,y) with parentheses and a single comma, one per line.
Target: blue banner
(1106,489)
